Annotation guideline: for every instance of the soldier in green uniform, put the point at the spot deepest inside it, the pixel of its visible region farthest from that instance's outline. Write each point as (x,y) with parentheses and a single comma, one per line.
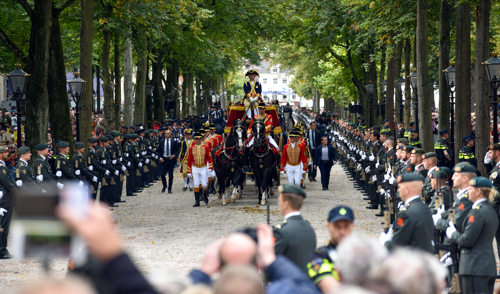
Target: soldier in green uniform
(63,168)
(24,173)
(439,179)
(117,160)
(295,237)
(94,166)
(139,166)
(417,161)
(7,188)
(494,155)
(43,172)
(107,183)
(413,226)
(430,164)
(321,266)
(406,166)
(130,164)
(477,260)
(79,165)
(442,149)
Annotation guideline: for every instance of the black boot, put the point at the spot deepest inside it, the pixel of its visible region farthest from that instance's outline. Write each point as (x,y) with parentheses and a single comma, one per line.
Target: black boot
(212,187)
(197,199)
(245,167)
(205,197)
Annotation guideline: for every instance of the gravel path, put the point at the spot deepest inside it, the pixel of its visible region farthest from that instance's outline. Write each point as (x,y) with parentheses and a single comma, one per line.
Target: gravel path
(164,230)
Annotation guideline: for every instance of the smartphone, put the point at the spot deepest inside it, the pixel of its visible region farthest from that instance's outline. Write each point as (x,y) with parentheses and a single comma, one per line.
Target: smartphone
(36,230)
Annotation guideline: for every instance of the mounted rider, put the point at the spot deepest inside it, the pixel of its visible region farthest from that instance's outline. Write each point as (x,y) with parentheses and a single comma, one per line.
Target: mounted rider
(253,91)
(268,122)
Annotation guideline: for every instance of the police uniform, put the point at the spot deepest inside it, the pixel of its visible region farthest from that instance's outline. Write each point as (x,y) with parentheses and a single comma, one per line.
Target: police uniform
(440,147)
(466,153)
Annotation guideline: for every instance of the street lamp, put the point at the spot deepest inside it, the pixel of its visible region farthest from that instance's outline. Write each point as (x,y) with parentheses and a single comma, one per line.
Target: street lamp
(414,84)
(76,88)
(450,79)
(399,87)
(17,80)
(492,67)
(384,93)
(149,96)
(370,89)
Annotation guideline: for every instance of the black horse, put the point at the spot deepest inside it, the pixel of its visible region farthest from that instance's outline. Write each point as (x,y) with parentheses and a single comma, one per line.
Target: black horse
(228,160)
(262,161)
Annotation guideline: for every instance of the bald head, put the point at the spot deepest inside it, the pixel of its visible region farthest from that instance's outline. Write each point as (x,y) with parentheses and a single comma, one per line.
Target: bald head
(238,249)
(409,189)
(168,134)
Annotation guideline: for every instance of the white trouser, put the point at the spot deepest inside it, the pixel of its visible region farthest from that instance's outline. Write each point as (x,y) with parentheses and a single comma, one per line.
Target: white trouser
(294,174)
(210,174)
(249,112)
(200,177)
(271,140)
(186,182)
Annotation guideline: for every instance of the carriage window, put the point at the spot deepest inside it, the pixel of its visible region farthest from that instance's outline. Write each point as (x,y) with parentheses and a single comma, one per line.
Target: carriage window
(285,81)
(275,80)
(264,81)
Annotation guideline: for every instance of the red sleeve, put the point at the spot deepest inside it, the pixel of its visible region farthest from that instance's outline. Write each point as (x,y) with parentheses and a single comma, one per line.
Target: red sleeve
(190,160)
(209,159)
(284,158)
(304,158)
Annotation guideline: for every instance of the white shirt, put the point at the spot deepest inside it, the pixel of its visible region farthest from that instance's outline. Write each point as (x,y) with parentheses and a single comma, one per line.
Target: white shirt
(430,171)
(411,199)
(477,202)
(461,192)
(292,214)
(43,157)
(293,144)
(324,153)
(23,161)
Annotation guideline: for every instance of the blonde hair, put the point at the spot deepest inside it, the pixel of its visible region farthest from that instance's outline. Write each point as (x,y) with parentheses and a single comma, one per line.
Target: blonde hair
(489,193)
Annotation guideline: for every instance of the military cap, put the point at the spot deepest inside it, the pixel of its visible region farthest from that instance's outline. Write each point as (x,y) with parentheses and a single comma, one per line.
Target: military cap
(110,138)
(400,123)
(386,133)
(92,140)
(262,105)
(141,130)
(155,132)
(377,133)
(133,136)
(409,177)
(408,148)
(441,172)
(126,137)
(198,135)
(115,134)
(495,146)
(418,151)
(252,71)
(340,213)
(189,131)
(23,150)
(79,145)
(41,146)
(124,127)
(399,147)
(385,120)
(480,182)
(62,144)
(3,149)
(443,131)
(292,189)
(212,126)
(429,155)
(147,132)
(294,134)
(202,131)
(103,139)
(138,125)
(413,131)
(412,123)
(403,141)
(353,125)
(467,138)
(464,167)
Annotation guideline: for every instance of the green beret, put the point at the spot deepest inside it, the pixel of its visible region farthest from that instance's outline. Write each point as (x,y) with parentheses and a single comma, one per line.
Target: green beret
(23,150)
(3,149)
(402,141)
(464,167)
(429,155)
(93,140)
(115,134)
(155,132)
(408,148)
(62,144)
(103,139)
(134,136)
(79,145)
(409,177)
(494,147)
(441,172)
(292,189)
(418,151)
(110,138)
(126,137)
(146,133)
(41,146)
(480,182)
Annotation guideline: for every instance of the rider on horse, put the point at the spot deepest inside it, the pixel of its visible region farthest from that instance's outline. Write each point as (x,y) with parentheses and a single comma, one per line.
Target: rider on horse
(268,122)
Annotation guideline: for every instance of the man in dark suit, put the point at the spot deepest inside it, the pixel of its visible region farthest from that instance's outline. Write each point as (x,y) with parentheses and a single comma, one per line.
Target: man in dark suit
(324,159)
(168,152)
(313,142)
(295,238)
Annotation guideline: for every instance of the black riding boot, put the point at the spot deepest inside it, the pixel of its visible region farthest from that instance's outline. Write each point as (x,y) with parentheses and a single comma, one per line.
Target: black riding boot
(245,167)
(211,188)
(205,196)
(197,199)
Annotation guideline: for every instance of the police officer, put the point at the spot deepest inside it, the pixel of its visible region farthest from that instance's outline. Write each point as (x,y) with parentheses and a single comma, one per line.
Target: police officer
(466,153)
(386,126)
(411,127)
(414,139)
(321,266)
(7,188)
(442,149)
(43,171)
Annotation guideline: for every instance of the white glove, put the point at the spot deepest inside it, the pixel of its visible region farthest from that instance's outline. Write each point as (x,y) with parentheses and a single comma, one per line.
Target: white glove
(359,166)
(210,170)
(400,205)
(94,179)
(389,168)
(91,167)
(333,139)
(436,217)
(384,237)
(114,161)
(80,184)
(391,180)
(450,230)
(104,161)
(144,153)
(386,177)
(19,183)
(367,169)
(140,164)
(43,191)
(382,191)
(147,161)
(59,174)
(128,164)
(487,158)
(190,176)
(377,164)
(371,158)
(363,157)
(60,186)
(3,211)
(107,172)
(282,172)
(150,147)
(446,259)
(374,178)
(117,172)
(77,172)
(124,168)
(1,194)
(121,159)
(126,154)
(39,178)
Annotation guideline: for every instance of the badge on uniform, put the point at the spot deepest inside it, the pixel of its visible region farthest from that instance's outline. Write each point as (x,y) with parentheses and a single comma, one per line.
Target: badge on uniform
(316,264)
(494,175)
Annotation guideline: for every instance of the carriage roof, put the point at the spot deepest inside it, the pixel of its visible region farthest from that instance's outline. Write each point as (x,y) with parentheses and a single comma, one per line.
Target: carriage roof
(238,111)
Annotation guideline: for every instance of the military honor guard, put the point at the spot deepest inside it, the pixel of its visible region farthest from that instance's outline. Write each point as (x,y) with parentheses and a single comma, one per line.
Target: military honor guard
(79,165)
(94,166)
(63,166)
(108,183)
(7,189)
(183,155)
(199,164)
(24,174)
(42,169)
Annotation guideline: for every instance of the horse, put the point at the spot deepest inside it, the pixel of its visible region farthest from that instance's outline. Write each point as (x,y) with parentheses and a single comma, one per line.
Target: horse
(262,161)
(288,121)
(227,161)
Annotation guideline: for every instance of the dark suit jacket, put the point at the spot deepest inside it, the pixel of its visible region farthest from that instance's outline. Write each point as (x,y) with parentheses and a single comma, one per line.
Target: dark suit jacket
(174,145)
(123,277)
(331,155)
(317,139)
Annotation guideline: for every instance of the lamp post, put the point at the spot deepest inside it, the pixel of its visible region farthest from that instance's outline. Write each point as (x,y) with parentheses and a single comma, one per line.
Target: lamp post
(370,89)
(76,88)
(399,87)
(450,79)
(414,84)
(384,93)
(149,96)
(17,81)
(492,67)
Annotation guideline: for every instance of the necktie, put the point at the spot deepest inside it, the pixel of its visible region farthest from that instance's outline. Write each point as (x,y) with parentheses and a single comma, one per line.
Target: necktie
(312,140)
(168,148)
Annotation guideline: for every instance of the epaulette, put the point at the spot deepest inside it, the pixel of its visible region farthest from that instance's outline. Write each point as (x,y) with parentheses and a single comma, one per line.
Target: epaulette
(403,209)
(465,195)
(478,206)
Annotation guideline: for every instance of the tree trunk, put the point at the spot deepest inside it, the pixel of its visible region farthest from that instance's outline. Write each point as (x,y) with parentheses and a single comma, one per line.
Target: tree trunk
(190,89)
(157,68)
(141,77)
(424,84)
(407,83)
(59,115)
(372,73)
(118,86)
(389,102)
(109,123)
(444,62)
(463,75)
(481,83)
(128,88)
(86,39)
(197,97)
(36,115)
(381,95)
(397,74)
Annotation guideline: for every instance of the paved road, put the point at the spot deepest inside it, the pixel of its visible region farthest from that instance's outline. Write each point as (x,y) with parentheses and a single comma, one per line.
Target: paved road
(164,230)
